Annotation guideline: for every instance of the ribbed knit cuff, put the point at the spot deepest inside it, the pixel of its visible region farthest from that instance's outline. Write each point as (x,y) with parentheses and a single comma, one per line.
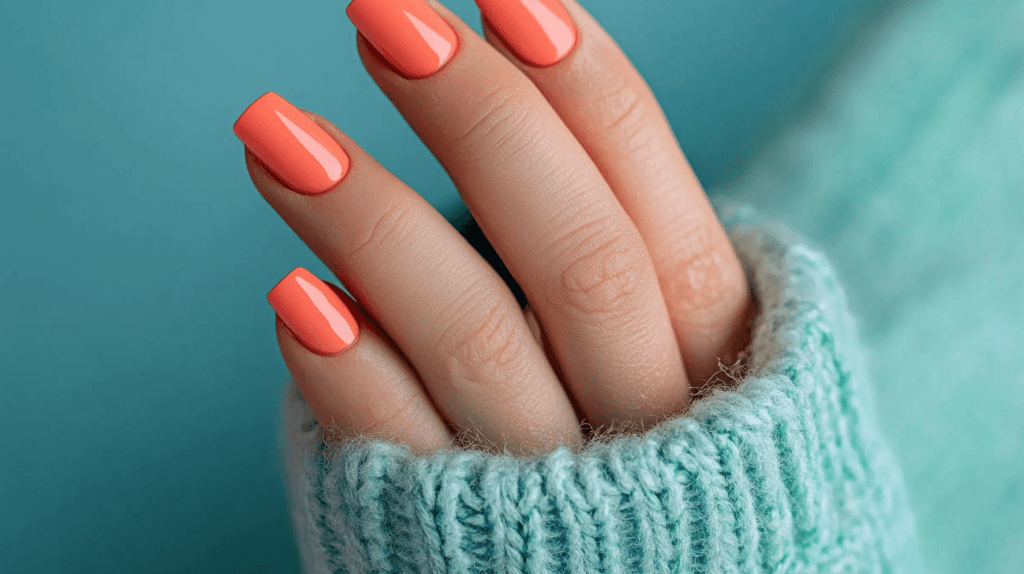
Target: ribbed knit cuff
(783,472)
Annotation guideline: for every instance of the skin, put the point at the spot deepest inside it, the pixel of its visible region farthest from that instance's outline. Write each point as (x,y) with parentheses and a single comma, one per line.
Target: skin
(574,175)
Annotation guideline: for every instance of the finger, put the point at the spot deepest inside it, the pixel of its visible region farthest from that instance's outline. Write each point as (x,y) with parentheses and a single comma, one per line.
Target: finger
(612,112)
(545,208)
(353,379)
(447,311)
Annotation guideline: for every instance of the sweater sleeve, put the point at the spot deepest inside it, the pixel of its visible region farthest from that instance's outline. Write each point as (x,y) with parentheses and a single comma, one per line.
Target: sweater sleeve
(782,471)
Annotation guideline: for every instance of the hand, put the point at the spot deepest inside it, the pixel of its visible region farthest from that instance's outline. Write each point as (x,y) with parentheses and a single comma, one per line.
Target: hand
(564,157)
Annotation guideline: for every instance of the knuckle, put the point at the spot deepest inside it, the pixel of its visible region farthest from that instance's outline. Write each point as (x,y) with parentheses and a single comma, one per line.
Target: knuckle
(484,344)
(622,109)
(700,279)
(626,112)
(603,273)
(496,120)
(395,223)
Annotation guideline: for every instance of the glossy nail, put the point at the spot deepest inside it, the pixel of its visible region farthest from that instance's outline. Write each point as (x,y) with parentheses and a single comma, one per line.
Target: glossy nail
(300,153)
(312,311)
(539,32)
(414,38)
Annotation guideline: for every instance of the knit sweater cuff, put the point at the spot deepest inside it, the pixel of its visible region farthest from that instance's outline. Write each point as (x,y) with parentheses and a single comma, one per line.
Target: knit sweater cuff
(783,471)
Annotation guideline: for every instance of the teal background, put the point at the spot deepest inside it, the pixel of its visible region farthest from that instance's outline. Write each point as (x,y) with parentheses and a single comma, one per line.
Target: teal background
(140,374)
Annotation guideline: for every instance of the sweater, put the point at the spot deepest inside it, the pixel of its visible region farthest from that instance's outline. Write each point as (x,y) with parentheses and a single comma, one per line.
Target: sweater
(783,470)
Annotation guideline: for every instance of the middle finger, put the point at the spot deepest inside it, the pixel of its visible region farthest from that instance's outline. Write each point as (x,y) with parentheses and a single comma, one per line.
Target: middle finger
(542,203)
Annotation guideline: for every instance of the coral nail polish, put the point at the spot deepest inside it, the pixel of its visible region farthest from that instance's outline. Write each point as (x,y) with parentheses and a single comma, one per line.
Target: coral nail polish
(316,315)
(539,32)
(301,154)
(414,38)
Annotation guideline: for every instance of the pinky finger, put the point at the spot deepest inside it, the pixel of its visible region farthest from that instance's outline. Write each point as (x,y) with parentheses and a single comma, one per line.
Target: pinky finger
(353,378)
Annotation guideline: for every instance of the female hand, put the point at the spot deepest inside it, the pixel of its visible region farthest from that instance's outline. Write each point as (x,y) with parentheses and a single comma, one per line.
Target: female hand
(564,157)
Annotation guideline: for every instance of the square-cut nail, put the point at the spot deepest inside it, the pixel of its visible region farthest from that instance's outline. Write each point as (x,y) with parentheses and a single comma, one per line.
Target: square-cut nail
(312,311)
(414,38)
(300,153)
(539,32)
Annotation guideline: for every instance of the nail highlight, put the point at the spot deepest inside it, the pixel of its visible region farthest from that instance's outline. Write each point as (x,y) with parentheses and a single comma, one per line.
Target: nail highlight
(539,32)
(301,154)
(317,317)
(414,38)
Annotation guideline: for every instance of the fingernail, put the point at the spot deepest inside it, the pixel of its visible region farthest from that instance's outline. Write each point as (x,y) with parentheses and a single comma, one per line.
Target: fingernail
(409,33)
(313,312)
(301,154)
(539,32)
